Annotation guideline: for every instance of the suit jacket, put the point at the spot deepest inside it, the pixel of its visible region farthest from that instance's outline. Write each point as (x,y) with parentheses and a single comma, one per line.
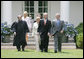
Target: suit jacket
(44,29)
(55,28)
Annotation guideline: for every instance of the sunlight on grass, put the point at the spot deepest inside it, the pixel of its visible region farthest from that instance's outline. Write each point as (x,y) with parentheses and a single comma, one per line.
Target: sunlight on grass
(66,53)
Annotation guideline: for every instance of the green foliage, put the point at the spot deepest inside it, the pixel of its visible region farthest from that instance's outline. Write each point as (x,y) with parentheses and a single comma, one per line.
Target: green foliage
(79,28)
(69,30)
(80,40)
(5,30)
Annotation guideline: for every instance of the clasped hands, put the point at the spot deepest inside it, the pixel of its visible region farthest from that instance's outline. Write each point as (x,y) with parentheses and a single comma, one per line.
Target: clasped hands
(52,34)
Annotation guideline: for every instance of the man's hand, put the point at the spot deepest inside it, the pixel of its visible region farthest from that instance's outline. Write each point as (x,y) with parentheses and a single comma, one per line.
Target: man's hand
(14,33)
(51,35)
(39,33)
(48,34)
(61,31)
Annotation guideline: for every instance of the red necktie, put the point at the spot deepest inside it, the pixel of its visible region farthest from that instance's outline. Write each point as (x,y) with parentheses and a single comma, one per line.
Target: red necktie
(44,22)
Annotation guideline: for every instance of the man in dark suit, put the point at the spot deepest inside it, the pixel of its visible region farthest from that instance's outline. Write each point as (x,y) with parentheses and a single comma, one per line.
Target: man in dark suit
(20,32)
(44,31)
(57,32)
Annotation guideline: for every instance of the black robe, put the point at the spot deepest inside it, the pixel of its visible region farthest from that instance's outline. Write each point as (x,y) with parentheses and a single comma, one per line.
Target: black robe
(21,29)
(13,26)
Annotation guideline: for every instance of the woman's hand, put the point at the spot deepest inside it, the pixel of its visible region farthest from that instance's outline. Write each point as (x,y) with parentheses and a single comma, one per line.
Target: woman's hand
(61,31)
(14,33)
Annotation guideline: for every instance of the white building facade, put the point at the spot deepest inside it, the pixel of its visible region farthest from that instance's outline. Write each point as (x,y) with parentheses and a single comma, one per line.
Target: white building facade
(70,11)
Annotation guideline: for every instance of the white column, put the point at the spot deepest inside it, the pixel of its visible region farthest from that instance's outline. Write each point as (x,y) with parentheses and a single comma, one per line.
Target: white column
(64,10)
(35,9)
(6,12)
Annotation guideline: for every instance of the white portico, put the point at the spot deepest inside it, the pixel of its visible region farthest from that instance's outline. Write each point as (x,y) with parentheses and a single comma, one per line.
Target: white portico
(64,10)
(71,11)
(6,12)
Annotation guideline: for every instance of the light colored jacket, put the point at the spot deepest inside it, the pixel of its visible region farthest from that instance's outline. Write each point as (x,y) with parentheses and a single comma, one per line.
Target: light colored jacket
(28,20)
(35,28)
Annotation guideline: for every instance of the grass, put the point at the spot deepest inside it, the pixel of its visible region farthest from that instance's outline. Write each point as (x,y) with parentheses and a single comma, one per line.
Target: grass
(66,53)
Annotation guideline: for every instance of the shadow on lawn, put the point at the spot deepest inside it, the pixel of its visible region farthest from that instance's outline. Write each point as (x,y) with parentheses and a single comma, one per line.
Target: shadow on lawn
(66,52)
(60,52)
(44,52)
(26,51)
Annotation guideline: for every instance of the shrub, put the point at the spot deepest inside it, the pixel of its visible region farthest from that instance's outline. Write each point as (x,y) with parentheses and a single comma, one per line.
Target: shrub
(69,30)
(79,28)
(79,39)
(5,30)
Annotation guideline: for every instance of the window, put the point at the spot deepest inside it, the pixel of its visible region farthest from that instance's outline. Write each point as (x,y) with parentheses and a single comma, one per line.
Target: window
(29,7)
(42,7)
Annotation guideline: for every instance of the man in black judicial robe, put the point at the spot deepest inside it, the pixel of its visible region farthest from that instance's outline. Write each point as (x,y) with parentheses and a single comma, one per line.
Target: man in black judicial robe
(13,26)
(44,31)
(20,32)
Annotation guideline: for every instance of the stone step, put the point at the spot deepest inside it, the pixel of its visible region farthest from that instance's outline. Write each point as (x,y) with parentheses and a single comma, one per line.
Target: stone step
(51,40)
(32,40)
(33,44)
(71,40)
(33,47)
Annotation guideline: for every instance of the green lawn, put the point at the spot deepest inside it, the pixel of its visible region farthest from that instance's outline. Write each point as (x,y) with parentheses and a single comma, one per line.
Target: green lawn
(66,53)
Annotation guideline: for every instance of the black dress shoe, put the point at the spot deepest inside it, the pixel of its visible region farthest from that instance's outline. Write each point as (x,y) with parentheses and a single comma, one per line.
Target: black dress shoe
(59,51)
(55,51)
(18,49)
(45,50)
(22,49)
(41,50)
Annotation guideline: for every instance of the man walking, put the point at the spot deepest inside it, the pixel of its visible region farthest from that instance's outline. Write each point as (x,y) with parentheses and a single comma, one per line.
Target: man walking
(20,32)
(44,29)
(57,32)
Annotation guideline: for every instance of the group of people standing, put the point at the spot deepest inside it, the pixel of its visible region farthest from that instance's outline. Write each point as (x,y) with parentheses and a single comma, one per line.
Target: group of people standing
(42,29)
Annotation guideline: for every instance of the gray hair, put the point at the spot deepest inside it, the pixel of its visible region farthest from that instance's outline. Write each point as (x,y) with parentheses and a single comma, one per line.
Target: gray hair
(57,14)
(45,14)
(19,16)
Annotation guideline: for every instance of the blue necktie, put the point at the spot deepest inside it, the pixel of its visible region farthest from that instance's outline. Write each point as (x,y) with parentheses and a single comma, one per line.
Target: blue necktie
(58,23)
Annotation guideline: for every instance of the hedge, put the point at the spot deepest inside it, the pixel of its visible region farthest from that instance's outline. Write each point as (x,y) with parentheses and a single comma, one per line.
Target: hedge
(79,37)
(80,40)
(79,28)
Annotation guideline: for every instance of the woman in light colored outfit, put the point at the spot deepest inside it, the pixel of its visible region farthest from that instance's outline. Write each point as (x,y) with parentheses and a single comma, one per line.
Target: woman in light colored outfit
(27,19)
(36,34)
